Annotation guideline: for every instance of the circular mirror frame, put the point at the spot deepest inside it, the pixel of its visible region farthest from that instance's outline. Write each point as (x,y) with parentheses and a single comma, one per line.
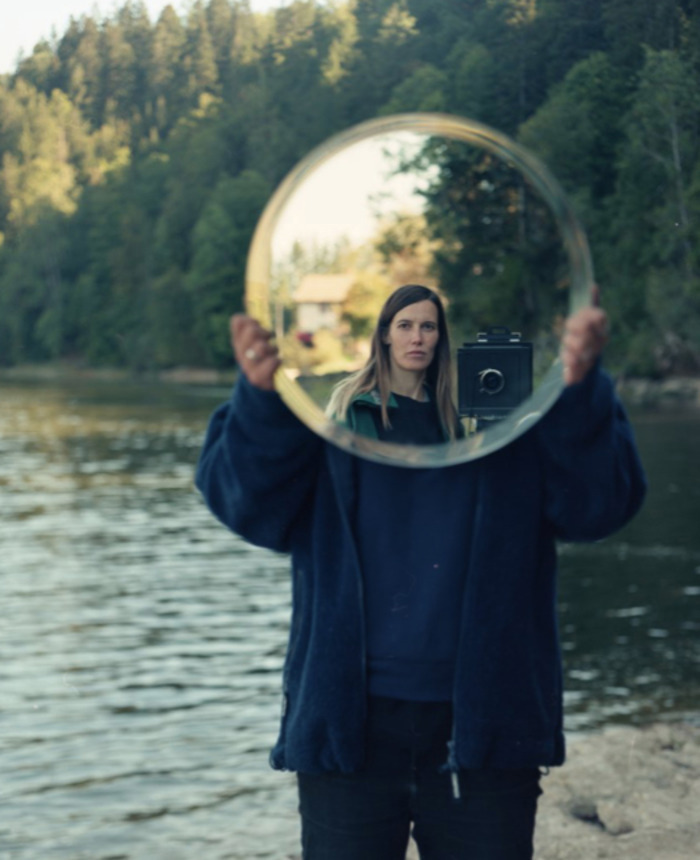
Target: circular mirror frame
(573,237)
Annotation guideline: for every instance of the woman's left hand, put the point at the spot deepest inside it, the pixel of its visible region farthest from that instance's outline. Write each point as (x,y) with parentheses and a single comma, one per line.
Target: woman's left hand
(585,336)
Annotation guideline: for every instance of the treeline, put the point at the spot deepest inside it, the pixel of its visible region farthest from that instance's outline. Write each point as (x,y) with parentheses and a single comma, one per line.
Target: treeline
(138,155)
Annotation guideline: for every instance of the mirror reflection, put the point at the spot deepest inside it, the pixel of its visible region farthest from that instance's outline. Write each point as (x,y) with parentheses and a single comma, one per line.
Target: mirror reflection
(407,208)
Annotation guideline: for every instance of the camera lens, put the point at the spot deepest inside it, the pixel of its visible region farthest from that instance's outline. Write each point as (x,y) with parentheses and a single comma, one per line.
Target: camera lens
(491,381)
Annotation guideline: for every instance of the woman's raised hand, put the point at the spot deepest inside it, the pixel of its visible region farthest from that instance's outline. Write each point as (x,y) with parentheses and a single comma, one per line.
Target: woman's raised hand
(585,336)
(255,353)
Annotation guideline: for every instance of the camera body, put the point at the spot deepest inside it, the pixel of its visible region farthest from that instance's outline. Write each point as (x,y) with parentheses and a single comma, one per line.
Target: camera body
(494,374)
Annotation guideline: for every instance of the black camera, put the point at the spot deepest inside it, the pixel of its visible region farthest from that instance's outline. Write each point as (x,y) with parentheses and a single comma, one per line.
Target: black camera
(494,375)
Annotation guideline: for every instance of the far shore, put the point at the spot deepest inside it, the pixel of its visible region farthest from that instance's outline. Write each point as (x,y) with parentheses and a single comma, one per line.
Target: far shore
(66,373)
(670,393)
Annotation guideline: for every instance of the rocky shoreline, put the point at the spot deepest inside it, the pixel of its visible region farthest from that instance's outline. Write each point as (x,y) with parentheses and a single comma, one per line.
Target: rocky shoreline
(625,793)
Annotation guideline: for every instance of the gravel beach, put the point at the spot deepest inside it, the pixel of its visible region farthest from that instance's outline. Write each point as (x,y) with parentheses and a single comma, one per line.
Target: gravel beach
(625,793)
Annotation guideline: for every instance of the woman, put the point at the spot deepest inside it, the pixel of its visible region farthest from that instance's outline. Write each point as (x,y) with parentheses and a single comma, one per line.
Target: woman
(408,373)
(422,686)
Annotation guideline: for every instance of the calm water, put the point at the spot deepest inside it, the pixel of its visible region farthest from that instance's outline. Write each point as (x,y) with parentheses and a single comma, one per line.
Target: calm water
(141,644)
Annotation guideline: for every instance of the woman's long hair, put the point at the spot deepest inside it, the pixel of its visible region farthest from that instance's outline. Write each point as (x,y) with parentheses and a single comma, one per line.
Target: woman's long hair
(376,374)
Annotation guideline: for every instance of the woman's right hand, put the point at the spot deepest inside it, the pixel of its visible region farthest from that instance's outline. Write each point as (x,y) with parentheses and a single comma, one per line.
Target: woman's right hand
(256,355)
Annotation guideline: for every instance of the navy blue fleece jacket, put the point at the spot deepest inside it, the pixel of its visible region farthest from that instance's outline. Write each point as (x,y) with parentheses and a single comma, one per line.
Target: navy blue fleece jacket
(576,476)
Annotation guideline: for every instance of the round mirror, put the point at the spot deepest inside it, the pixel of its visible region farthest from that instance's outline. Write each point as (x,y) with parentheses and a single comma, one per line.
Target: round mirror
(421,199)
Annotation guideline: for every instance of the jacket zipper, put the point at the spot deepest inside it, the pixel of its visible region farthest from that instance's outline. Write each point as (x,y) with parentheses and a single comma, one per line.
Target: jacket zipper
(452,766)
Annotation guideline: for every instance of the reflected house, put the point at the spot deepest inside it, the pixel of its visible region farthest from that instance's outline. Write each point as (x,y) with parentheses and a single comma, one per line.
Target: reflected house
(320,300)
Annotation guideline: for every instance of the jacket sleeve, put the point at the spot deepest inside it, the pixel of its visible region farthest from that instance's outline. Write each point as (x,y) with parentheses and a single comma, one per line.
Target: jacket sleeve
(594,480)
(258,467)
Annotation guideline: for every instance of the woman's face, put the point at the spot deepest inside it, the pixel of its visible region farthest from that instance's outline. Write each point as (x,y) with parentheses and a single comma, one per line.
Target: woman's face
(413,336)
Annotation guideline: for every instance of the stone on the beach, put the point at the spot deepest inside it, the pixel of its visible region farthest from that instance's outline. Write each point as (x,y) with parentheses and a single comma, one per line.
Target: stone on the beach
(625,793)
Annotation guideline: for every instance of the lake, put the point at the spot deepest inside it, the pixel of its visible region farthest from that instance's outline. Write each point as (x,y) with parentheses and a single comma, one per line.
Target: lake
(141,644)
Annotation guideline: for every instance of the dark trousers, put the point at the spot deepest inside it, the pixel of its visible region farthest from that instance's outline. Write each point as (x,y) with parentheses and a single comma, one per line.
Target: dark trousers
(369,815)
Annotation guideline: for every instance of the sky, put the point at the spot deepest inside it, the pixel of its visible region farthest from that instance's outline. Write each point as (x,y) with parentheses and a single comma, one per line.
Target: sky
(23,23)
(366,177)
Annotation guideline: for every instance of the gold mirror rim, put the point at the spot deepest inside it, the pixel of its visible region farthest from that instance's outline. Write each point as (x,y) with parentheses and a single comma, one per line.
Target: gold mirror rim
(571,233)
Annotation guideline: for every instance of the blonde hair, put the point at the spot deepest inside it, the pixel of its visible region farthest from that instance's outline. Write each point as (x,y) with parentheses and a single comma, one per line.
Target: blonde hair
(376,374)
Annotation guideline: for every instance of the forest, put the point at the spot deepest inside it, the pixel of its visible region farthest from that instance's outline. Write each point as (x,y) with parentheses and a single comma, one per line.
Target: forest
(138,155)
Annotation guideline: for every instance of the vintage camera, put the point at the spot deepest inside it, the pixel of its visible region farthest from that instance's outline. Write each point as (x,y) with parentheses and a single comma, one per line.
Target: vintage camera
(494,375)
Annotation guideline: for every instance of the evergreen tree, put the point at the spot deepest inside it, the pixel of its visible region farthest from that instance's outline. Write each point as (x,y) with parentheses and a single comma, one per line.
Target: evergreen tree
(83,74)
(165,73)
(200,56)
(656,219)
(220,243)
